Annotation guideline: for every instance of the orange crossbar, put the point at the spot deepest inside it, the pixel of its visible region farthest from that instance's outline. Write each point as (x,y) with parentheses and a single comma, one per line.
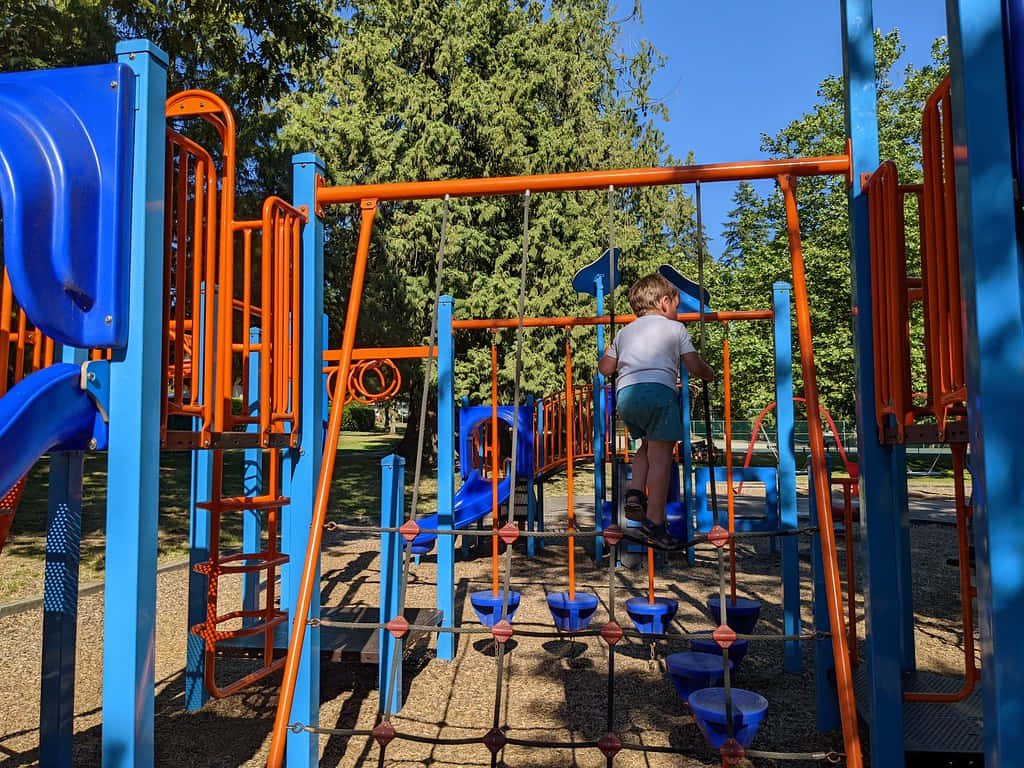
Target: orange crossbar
(568,322)
(834,165)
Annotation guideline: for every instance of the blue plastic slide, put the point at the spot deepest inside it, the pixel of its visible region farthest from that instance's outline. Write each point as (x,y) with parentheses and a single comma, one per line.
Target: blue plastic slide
(48,410)
(473,501)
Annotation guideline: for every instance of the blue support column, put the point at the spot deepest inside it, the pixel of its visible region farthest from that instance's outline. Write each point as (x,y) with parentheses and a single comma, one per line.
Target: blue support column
(392,515)
(60,608)
(991,282)
(826,702)
(783,337)
(303,465)
(133,461)
(446,645)
(252,483)
(883,604)
(200,489)
(599,420)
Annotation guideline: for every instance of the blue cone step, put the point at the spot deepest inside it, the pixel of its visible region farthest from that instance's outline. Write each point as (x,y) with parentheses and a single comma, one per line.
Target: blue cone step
(748,710)
(652,618)
(742,615)
(689,671)
(737,650)
(487,606)
(572,614)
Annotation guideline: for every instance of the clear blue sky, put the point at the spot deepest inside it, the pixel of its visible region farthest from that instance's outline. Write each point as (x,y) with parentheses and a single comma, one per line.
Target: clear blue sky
(740,68)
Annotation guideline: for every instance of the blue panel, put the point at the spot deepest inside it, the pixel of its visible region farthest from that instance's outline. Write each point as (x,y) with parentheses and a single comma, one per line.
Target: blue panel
(586,280)
(992,273)
(65,185)
(47,410)
(766,475)
(689,291)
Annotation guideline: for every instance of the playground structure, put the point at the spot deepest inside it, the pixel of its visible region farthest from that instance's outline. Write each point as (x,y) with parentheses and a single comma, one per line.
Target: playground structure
(94,301)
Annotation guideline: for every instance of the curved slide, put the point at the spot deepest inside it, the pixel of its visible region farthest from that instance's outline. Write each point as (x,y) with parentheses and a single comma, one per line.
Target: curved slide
(46,411)
(473,501)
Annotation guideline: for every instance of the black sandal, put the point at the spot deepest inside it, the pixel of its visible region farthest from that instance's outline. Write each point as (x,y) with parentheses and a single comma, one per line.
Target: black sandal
(636,505)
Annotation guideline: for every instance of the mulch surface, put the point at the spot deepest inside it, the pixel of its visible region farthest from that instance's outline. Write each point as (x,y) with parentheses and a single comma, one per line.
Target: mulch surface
(553,688)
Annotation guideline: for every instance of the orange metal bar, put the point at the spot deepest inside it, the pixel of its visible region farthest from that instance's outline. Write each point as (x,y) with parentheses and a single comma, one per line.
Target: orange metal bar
(378,353)
(967,591)
(563,322)
(568,464)
(316,530)
(495,524)
(844,677)
(836,165)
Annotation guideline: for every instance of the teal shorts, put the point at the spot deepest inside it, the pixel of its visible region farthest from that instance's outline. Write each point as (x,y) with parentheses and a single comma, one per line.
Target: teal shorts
(651,411)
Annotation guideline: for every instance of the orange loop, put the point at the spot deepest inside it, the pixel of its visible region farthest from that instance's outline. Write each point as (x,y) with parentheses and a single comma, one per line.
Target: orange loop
(384,382)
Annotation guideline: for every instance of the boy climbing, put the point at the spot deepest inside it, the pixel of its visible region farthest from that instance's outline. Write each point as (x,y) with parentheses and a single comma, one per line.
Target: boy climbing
(646,355)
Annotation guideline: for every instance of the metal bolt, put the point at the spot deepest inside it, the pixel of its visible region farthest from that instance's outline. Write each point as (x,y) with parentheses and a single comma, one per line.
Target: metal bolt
(91,376)
(131,55)
(113,84)
(92,443)
(108,319)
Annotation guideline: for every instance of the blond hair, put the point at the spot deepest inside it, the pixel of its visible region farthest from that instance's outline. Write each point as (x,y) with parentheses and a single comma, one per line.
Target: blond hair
(648,291)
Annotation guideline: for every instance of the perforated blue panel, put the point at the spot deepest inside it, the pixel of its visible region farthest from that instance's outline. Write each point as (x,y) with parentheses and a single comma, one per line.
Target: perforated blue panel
(65,185)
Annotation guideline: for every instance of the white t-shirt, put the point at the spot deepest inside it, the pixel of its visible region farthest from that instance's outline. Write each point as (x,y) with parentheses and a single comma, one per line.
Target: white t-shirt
(648,351)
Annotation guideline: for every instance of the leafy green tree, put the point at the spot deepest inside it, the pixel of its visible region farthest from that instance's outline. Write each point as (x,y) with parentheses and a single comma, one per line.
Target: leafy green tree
(448,89)
(757,252)
(37,35)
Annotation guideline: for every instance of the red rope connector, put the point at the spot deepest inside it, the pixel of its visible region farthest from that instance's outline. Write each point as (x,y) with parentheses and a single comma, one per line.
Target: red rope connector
(409,530)
(398,626)
(494,740)
(724,636)
(609,744)
(718,536)
(611,632)
(502,631)
(731,752)
(508,533)
(612,535)
(384,733)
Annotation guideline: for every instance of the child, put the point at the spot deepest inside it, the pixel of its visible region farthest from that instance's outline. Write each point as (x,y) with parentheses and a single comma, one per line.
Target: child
(646,355)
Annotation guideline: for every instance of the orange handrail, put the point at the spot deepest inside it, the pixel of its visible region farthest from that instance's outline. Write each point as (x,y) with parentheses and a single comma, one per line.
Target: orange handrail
(833,590)
(310,570)
(565,182)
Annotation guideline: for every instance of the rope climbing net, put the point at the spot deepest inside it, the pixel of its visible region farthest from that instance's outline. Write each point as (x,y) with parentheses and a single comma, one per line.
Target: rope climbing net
(496,738)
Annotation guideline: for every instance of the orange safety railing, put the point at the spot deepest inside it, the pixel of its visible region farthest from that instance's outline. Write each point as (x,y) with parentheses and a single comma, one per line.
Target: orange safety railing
(562,416)
(940,262)
(223,277)
(889,300)
(938,287)
(23,348)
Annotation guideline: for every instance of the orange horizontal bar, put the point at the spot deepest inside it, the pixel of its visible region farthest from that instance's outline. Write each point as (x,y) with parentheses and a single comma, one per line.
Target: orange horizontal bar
(380,353)
(560,182)
(563,322)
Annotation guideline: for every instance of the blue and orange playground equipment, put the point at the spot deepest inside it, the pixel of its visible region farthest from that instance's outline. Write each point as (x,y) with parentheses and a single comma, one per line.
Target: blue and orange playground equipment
(132,295)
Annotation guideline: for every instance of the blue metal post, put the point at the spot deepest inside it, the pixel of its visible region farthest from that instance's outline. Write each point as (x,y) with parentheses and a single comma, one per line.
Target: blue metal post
(392,515)
(304,461)
(992,277)
(60,600)
(200,489)
(882,551)
(599,420)
(783,337)
(826,702)
(60,608)
(446,644)
(133,460)
(252,482)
